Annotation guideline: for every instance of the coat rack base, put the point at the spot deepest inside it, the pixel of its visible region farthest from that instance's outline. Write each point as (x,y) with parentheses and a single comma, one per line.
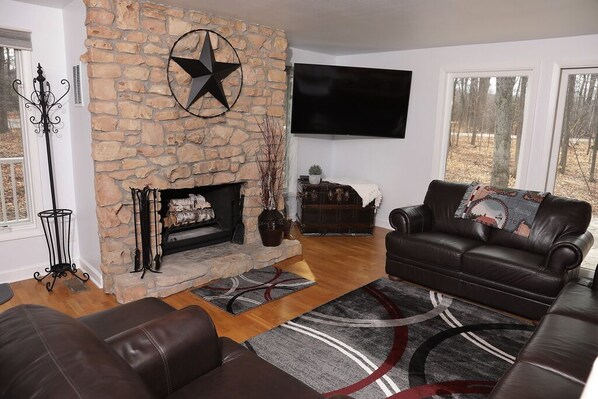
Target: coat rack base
(56,224)
(58,271)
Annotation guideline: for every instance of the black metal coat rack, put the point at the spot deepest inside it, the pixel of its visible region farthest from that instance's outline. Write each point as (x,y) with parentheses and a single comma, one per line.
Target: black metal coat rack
(56,222)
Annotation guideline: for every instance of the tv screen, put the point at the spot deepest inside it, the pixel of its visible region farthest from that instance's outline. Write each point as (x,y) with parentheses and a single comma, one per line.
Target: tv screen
(350,101)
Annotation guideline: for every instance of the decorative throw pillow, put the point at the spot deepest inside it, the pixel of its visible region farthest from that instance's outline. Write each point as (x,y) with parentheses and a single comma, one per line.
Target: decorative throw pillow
(503,208)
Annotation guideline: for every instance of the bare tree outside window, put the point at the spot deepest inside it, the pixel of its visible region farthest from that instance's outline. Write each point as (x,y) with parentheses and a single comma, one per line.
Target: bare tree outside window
(576,171)
(13,198)
(485,129)
(576,174)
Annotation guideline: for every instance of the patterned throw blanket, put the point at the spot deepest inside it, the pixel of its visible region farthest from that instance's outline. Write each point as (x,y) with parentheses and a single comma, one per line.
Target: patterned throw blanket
(504,208)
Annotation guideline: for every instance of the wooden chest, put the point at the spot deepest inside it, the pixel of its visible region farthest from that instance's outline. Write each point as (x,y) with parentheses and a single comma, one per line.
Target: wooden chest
(329,208)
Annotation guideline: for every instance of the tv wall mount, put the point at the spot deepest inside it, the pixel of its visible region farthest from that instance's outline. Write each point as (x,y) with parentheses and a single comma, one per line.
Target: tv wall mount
(204,62)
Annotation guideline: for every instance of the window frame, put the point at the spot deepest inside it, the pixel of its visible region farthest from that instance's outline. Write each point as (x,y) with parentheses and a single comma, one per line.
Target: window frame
(527,124)
(31,159)
(555,128)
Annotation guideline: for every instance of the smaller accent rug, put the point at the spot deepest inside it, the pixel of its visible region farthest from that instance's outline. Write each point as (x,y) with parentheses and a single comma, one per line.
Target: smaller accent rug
(250,289)
(5,293)
(395,340)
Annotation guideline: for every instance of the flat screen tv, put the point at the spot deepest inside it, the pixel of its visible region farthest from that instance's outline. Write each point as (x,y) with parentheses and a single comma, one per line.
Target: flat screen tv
(339,100)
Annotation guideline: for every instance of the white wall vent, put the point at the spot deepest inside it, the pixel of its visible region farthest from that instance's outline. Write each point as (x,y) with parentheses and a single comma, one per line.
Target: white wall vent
(77,85)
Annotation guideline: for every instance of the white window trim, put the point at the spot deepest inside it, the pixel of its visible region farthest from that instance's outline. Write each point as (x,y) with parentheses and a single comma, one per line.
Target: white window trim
(32,227)
(445,106)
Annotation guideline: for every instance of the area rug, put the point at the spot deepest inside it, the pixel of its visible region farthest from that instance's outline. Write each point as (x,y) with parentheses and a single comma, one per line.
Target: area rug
(5,293)
(253,288)
(393,339)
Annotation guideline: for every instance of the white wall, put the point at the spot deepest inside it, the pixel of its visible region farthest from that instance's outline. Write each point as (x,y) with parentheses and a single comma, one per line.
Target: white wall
(403,168)
(83,171)
(307,150)
(22,256)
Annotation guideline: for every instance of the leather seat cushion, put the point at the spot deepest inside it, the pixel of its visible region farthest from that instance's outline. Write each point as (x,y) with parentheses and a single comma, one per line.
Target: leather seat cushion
(578,301)
(433,248)
(511,268)
(528,381)
(47,354)
(565,344)
(244,375)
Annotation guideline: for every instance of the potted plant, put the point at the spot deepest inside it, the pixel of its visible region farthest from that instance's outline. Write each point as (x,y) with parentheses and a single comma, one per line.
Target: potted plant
(270,162)
(315,174)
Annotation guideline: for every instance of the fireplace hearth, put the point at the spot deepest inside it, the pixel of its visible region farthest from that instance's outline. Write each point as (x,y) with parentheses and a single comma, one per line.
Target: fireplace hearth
(200,216)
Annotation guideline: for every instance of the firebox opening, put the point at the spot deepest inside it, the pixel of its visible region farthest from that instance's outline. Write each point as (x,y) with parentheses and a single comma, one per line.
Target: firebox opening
(200,216)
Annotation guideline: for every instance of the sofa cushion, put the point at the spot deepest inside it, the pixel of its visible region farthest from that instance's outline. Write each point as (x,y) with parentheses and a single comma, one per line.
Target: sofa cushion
(528,381)
(443,199)
(512,268)
(565,344)
(244,375)
(47,354)
(578,301)
(434,248)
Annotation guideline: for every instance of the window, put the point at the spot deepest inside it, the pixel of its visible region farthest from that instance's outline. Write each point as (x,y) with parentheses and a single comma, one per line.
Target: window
(14,202)
(573,170)
(16,180)
(486,128)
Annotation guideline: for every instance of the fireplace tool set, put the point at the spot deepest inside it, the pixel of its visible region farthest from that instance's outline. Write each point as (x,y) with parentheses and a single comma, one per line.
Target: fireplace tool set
(56,222)
(144,205)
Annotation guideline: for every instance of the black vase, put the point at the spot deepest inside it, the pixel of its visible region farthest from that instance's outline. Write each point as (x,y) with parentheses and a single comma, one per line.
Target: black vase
(270,223)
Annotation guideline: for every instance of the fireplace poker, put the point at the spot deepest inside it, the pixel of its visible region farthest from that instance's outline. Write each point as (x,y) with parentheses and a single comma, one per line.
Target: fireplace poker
(157,258)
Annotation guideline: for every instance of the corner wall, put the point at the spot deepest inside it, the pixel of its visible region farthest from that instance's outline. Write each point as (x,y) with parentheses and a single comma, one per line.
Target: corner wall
(23,256)
(83,172)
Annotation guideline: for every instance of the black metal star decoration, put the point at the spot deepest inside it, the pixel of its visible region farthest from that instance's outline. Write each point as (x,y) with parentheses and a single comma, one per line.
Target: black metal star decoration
(206,73)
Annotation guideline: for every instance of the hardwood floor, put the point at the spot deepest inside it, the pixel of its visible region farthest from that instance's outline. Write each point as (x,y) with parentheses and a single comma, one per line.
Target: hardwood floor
(339,264)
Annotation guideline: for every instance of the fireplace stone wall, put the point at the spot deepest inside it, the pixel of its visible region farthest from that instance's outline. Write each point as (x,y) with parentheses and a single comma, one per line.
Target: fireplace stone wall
(140,136)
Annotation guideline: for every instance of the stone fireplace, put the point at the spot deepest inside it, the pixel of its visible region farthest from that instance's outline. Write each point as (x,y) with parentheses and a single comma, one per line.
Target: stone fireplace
(142,137)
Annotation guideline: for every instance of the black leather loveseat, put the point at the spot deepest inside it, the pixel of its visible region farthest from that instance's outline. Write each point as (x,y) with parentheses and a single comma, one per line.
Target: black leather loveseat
(144,349)
(491,266)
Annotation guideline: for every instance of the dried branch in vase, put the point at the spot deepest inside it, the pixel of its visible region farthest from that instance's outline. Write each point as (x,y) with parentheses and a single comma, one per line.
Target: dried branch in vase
(270,162)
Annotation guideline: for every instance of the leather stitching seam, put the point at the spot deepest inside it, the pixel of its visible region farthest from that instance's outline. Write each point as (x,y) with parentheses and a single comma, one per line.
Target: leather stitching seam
(51,353)
(552,370)
(162,356)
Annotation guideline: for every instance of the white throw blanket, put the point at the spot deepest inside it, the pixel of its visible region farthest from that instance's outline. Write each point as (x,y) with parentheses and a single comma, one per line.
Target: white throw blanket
(366,190)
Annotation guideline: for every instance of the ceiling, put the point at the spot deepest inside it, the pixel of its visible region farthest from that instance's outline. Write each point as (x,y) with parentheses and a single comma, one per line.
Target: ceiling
(358,26)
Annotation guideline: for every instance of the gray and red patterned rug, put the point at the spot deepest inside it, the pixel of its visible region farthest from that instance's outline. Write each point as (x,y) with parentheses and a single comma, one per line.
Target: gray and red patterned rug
(250,289)
(393,339)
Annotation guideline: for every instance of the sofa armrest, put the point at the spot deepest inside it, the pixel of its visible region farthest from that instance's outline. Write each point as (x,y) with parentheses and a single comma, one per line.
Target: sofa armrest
(109,322)
(171,351)
(568,251)
(411,219)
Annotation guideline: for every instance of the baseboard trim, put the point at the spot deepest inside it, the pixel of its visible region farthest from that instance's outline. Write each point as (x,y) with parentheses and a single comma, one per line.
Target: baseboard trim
(23,273)
(94,274)
(382,222)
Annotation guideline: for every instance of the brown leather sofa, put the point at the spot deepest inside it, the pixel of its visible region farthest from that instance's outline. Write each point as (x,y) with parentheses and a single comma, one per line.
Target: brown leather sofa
(144,349)
(556,361)
(521,275)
